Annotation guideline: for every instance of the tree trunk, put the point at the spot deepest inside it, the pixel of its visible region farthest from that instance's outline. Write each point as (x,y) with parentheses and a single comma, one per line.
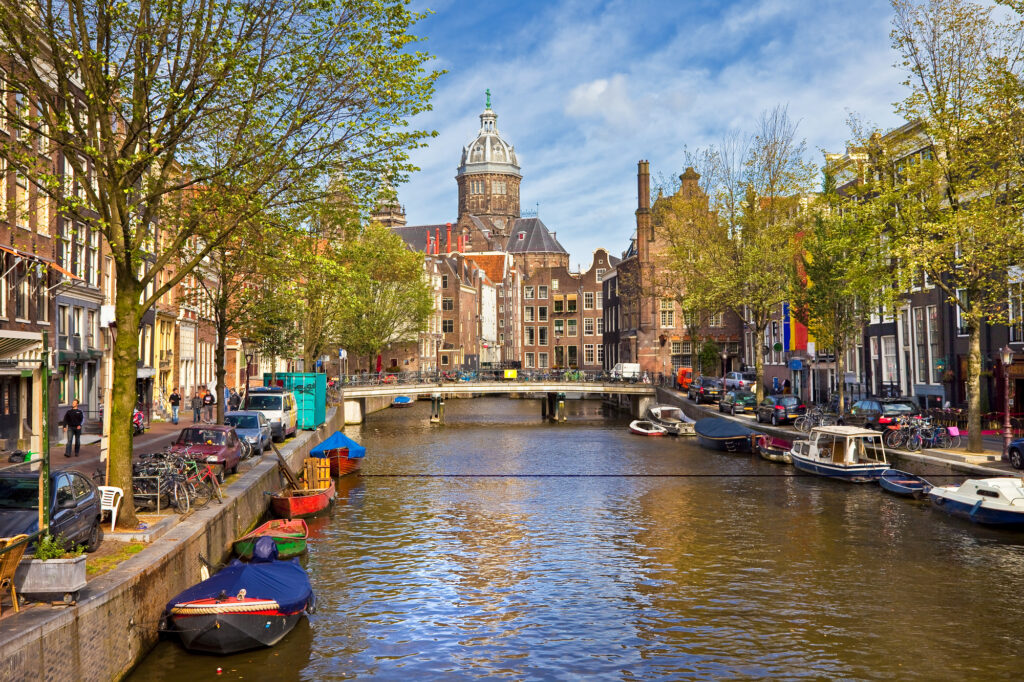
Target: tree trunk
(974,442)
(759,361)
(219,364)
(840,377)
(124,394)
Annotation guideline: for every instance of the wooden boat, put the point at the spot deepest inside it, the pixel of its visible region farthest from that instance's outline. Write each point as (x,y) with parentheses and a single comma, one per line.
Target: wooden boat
(643,427)
(988,501)
(904,483)
(672,419)
(846,453)
(715,433)
(289,536)
(774,449)
(344,454)
(244,606)
(402,401)
(297,504)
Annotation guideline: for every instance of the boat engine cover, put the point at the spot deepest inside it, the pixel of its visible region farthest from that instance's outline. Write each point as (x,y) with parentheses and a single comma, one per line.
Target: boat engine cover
(265,550)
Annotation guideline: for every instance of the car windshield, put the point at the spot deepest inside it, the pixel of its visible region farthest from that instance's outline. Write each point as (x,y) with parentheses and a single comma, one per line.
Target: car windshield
(787,400)
(201,437)
(710,382)
(898,408)
(242,421)
(263,402)
(742,396)
(19,493)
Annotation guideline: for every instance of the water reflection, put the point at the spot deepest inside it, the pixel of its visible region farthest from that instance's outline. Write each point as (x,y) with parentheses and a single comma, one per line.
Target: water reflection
(544,551)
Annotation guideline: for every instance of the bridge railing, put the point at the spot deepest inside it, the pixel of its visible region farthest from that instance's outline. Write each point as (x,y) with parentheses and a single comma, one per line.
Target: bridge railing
(522,376)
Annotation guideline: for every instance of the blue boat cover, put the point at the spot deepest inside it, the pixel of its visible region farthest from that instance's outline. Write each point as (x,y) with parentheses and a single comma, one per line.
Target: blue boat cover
(402,400)
(713,427)
(338,441)
(285,582)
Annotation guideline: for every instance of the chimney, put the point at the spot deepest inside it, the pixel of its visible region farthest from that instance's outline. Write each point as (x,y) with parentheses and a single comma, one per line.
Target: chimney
(437,239)
(643,186)
(448,244)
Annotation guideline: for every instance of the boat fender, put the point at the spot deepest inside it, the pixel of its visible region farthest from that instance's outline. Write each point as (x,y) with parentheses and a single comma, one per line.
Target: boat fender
(975,508)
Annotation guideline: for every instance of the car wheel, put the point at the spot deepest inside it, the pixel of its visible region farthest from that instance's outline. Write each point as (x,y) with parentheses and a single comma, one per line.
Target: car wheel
(775,420)
(734,410)
(1016,459)
(95,538)
(220,473)
(234,469)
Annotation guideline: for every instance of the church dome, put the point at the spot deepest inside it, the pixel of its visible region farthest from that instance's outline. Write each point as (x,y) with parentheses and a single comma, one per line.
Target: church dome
(489,153)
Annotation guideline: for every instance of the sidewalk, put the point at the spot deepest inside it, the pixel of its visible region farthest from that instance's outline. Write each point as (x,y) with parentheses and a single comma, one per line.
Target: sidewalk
(156,437)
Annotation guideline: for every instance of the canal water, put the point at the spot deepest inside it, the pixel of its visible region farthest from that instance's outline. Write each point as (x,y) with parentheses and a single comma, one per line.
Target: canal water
(502,547)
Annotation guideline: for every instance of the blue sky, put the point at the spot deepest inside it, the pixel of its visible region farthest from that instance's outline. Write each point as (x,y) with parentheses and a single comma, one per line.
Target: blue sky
(584,89)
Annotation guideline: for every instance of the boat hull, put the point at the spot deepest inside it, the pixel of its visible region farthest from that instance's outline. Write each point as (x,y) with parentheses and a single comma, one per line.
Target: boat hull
(904,484)
(976,513)
(343,465)
(774,454)
(228,633)
(292,506)
(288,536)
(647,428)
(857,473)
(400,402)
(734,444)
(287,548)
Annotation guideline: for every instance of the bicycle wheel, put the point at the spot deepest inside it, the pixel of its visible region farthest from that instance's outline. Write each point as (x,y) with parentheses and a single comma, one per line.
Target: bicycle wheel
(954,442)
(914,442)
(828,420)
(180,498)
(943,440)
(203,494)
(891,439)
(215,488)
(801,424)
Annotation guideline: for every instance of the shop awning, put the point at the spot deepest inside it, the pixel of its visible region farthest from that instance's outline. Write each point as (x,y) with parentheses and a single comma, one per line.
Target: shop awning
(36,258)
(13,344)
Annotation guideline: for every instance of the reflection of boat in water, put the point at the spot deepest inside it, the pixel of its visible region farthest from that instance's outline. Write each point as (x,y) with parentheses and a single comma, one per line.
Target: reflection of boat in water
(672,419)
(724,434)
(774,449)
(989,501)
(846,453)
(642,427)
(903,483)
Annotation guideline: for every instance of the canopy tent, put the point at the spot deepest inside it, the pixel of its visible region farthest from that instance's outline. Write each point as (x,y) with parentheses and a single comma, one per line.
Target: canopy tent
(339,441)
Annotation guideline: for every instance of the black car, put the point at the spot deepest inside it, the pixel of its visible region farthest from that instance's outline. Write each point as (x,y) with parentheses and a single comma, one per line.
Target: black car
(705,390)
(74,506)
(735,402)
(779,409)
(877,413)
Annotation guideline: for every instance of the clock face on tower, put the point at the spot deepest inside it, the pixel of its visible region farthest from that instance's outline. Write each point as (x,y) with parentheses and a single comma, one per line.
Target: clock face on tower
(499,223)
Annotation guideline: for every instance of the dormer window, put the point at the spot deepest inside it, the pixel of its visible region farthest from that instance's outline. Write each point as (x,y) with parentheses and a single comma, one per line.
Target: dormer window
(522,236)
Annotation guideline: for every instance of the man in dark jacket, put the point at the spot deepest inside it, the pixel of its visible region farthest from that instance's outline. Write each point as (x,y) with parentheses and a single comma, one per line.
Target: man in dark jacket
(72,422)
(197,406)
(175,401)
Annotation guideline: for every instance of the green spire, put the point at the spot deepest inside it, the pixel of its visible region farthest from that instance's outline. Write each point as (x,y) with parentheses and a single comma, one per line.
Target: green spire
(488,91)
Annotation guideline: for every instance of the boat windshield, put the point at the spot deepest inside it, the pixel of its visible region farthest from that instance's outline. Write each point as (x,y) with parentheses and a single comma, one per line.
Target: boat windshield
(670,413)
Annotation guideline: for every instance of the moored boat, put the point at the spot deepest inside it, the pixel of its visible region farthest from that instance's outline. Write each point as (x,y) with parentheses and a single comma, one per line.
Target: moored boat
(774,449)
(344,454)
(244,606)
(904,483)
(672,419)
(288,534)
(988,501)
(724,434)
(402,401)
(846,453)
(296,504)
(643,427)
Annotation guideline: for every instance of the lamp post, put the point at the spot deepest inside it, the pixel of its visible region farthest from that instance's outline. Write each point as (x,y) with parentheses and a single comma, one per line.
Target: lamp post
(1006,355)
(248,362)
(725,358)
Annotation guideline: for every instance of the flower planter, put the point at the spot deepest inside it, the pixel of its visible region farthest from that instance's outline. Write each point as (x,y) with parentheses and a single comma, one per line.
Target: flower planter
(50,578)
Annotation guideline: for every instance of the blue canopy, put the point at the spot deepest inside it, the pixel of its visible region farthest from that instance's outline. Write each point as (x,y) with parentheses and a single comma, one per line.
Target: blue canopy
(285,582)
(339,441)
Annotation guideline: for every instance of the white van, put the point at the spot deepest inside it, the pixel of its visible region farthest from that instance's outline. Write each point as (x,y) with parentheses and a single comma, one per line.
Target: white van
(278,406)
(626,370)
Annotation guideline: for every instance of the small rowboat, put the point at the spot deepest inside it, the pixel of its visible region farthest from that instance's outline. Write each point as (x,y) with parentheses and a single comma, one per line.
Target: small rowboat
(643,427)
(296,504)
(904,483)
(774,449)
(289,536)
(402,401)
(716,433)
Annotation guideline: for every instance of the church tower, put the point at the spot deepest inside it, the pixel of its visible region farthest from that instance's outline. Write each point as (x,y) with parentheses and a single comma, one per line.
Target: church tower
(488,177)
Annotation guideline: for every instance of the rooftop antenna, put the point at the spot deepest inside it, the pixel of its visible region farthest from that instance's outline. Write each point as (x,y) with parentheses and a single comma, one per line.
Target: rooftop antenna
(538,208)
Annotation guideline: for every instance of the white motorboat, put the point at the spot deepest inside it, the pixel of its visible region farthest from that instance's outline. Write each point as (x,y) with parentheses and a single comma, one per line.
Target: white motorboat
(644,427)
(672,419)
(990,501)
(847,453)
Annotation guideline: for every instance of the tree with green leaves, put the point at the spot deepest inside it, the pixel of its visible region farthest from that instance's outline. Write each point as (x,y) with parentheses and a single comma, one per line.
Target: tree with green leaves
(175,122)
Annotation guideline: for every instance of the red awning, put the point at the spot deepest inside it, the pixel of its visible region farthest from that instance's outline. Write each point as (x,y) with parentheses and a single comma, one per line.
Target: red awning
(48,262)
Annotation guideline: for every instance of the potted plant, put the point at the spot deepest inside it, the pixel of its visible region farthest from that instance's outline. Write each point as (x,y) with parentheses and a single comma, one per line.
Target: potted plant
(53,570)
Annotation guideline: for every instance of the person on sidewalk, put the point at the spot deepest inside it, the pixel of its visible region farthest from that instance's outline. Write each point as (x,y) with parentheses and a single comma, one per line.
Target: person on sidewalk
(72,422)
(208,405)
(175,405)
(235,401)
(197,406)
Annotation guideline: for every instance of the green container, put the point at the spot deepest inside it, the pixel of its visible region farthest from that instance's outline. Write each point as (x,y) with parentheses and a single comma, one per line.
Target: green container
(310,392)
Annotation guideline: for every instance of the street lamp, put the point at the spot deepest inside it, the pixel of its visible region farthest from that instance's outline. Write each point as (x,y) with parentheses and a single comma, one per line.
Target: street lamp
(725,357)
(1006,355)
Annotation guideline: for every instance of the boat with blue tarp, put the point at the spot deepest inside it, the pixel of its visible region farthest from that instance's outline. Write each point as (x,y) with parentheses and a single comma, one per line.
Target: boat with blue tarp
(247,605)
(402,401)
(845,453)
(724,434)
(344,454)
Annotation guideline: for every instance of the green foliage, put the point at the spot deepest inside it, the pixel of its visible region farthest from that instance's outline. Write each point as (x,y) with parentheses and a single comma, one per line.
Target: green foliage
(710,359)
(50,547)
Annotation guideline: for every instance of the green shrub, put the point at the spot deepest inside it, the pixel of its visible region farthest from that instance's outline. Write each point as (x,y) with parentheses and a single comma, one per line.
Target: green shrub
(50,547)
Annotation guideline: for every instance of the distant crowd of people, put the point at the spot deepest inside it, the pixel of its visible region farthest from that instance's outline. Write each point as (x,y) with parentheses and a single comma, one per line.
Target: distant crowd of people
(202,404)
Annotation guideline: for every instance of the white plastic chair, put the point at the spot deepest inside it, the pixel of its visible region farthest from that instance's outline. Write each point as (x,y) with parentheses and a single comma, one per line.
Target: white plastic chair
(110,500)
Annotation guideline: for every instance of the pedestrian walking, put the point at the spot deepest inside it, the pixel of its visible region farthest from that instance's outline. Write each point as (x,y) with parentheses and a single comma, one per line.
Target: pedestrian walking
(175,400)
(72,422)
(208,402)
(197,406)
(235,401)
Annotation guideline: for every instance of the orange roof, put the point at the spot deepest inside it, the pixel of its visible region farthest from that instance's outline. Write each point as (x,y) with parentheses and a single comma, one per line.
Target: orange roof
(492,264)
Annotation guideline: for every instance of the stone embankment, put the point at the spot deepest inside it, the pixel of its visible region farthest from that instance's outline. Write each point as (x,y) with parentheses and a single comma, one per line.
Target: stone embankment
(114,624)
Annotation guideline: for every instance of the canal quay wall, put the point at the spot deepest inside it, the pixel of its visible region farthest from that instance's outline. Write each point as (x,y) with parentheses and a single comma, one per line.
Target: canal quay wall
(356,410)
(926,463)
(114,623)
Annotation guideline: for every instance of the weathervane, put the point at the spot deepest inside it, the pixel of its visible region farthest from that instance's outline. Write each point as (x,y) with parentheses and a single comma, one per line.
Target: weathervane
(488,91)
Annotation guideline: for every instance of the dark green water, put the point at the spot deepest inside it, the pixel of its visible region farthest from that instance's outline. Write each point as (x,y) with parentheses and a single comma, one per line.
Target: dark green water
(502,547)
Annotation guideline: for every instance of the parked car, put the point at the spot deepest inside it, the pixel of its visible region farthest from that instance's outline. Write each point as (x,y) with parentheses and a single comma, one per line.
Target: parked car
(779,409)
(877,413)
(278,406)
(1016,453)
(743,381)
(74,506)
(214,444)
(253,427)
(735,402)
(684,377)
(705,390)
